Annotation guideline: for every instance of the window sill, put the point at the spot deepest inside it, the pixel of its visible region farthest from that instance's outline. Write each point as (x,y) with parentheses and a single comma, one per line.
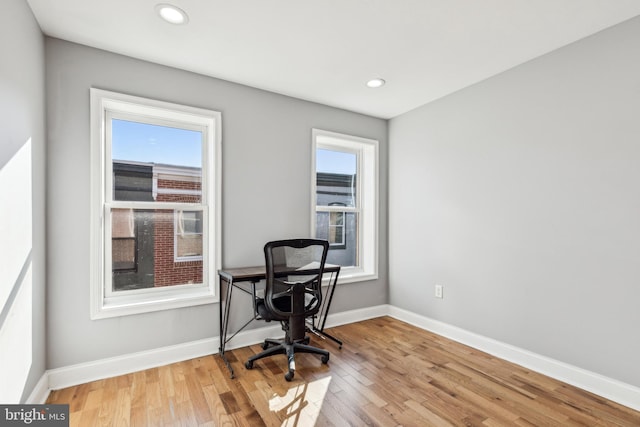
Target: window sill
(353,275)
(149,302)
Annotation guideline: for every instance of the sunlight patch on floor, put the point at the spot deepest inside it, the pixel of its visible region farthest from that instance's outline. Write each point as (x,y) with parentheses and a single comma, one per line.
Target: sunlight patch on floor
(302,403)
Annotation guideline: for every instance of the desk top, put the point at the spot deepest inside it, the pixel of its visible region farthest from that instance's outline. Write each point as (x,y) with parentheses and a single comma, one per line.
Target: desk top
(257,273)
(243,274)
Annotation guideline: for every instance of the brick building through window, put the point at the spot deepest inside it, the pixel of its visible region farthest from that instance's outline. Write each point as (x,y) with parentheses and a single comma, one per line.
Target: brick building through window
(161,247)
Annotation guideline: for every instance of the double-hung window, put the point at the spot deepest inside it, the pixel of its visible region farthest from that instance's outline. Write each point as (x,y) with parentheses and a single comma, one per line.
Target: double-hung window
(345,202)
(155,221)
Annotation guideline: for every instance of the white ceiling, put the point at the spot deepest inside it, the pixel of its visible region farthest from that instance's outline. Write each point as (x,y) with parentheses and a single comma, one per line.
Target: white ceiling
(325,50)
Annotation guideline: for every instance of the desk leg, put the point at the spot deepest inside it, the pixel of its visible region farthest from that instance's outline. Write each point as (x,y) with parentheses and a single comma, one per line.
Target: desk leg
(224,322)
(324,315)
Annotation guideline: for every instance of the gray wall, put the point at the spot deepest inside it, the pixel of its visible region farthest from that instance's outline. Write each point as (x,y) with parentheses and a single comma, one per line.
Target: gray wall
(22,119)
(266,181)
(525,203)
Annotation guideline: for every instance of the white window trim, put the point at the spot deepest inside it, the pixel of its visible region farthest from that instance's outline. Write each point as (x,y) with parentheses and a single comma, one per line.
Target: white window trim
(367,204)
(105,304)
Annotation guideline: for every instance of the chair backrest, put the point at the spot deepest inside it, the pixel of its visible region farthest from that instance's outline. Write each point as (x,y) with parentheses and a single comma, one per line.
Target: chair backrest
(294,270)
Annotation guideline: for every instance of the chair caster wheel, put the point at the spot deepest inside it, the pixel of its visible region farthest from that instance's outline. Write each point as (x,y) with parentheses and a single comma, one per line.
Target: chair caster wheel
(248,364)
(289,375)
(306,340)
(325,359)
(265,345)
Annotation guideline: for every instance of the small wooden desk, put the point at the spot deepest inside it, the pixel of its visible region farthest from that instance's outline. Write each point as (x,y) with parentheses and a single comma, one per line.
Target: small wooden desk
(232,278)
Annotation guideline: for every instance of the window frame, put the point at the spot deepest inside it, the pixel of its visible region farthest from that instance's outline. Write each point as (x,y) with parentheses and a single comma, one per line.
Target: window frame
(367,194)
(107,105)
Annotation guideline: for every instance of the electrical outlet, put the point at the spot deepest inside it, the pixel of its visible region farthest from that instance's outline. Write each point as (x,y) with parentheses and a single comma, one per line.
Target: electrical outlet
(439,291)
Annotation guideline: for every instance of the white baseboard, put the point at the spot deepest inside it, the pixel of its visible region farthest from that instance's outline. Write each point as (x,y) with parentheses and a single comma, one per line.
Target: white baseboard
(617,391)
(254,336)
(40,392)
(611,389)
(357,315)
(125,364)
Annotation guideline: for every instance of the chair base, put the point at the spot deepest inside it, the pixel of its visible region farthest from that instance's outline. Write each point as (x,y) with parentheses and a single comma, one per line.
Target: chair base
(272,347)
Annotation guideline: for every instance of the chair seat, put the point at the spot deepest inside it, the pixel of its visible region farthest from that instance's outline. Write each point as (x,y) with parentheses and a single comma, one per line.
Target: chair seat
(283,304)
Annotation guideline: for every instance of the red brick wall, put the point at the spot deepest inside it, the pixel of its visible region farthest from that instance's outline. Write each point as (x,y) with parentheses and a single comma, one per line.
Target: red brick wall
(182,185)
(167,272)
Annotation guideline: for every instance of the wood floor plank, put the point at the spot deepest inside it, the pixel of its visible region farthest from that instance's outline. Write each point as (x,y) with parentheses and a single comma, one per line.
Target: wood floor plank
(122,414)
(388,373)
(138,400)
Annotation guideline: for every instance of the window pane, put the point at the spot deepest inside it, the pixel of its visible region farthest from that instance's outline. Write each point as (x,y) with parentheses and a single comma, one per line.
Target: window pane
(151,235)
(188,235)
(155,163)
(190,222)
(336,228)
(189,245)
(123,246)
(335,178)
(342,238)
(123,254)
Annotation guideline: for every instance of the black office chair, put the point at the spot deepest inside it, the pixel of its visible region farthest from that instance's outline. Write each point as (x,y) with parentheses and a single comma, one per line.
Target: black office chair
(293,292)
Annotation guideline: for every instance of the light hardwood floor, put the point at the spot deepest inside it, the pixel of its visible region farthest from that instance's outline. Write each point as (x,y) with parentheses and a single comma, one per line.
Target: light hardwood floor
(388,373)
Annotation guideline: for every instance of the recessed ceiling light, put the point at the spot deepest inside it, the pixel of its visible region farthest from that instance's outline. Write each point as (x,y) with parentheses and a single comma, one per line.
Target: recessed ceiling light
(172,14)
(373,83)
